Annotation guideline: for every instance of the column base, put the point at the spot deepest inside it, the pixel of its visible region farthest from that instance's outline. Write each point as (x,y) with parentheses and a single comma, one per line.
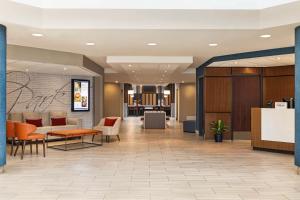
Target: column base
(1,169)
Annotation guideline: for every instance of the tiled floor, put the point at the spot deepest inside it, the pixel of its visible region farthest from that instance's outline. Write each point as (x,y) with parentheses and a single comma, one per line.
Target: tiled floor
(153,164)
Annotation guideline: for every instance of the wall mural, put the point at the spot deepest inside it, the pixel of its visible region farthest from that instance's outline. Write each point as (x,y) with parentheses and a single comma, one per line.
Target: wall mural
(19,92)
(34,92)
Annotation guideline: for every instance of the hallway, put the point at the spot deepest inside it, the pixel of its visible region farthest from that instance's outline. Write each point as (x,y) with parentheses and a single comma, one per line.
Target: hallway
(153,164)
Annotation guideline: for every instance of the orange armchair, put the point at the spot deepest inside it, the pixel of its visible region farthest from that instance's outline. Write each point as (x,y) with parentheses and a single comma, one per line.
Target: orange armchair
(11,134)
(24,133)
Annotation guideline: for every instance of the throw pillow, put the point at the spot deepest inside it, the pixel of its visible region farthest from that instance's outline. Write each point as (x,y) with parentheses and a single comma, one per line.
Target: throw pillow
(58,121)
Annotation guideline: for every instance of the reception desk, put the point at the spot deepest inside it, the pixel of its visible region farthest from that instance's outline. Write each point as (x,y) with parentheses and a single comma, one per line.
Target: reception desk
(273,129)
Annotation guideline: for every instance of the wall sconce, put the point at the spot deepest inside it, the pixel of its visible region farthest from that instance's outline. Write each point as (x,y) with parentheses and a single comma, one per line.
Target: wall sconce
(131,92)
(167,92)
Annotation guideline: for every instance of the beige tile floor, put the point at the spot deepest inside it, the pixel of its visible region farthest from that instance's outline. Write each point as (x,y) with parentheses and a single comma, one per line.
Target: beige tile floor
(156,165)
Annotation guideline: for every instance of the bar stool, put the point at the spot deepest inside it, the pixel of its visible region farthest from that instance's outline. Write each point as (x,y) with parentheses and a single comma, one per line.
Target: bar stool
(11,134)
(24,133)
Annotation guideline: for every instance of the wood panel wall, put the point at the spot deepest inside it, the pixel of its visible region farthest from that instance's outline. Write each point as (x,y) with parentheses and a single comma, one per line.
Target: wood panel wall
(217,98)
(246,95)
(218,94)
(278,82)
(229,93)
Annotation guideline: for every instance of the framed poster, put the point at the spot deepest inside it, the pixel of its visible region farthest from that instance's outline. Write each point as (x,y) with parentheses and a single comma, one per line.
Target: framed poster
(80,95)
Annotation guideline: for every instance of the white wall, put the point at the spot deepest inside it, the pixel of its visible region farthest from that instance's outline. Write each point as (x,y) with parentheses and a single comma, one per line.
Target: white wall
(187,100)
(44,92)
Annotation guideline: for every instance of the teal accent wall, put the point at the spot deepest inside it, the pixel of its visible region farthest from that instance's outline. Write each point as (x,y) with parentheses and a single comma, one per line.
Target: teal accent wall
(297,96)
(3,95)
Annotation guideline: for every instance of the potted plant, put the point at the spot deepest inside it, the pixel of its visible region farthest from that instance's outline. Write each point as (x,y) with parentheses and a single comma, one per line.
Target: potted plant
(218,127)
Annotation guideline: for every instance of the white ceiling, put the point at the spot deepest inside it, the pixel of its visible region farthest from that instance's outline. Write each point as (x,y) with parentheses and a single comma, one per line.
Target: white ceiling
(267,61)
(178,32)
(149,69)
(154,4)
(37,67)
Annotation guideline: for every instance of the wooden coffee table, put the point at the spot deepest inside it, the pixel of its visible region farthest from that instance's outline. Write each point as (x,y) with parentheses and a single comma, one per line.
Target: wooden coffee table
(71,134)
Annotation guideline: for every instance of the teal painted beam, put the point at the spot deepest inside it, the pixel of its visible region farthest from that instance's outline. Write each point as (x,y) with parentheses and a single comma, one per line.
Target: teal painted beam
(3,95)
(297,96)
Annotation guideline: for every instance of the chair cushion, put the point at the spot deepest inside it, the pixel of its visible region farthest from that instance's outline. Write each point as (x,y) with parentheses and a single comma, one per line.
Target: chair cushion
(36,122)
(110,121)
(58,121)
(34,136)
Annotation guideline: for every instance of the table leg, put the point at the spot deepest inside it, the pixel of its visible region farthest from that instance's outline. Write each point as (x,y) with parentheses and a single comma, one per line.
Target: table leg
(47,140)
(66,143)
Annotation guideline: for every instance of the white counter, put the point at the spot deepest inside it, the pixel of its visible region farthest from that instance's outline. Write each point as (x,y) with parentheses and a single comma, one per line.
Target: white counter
(278,125)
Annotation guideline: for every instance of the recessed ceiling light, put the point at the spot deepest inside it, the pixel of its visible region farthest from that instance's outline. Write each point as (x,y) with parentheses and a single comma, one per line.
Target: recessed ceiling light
(27,70)
(278,58)
(236,62)
(213,44)
(133,71)
(166,71)
(37,35)
(182,81)
(65,69)
(265,36)
(116,81)
(129,65)
(152,44)
(90,43)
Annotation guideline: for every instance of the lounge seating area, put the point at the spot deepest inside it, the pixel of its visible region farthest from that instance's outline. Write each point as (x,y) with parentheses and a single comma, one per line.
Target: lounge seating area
(47,121)
(27,128)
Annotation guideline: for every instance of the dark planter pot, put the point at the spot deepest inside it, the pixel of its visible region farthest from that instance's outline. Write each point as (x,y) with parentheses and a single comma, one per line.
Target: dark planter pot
(218,137)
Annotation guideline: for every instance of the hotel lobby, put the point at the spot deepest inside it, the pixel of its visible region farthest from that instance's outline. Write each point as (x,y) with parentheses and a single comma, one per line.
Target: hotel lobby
(168,100)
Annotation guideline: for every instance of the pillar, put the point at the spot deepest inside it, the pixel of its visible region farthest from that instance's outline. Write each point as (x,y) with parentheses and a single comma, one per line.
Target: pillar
(2,97)
(200,100)
(297,96)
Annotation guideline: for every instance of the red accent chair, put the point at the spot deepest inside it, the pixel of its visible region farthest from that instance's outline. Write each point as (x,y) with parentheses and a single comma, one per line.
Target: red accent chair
(25,133)
(11,134)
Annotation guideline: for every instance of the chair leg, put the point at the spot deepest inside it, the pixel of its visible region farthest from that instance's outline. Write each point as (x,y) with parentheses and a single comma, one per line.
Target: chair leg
(30,142)
(12,146)
(44,147)
(118,138)
(23,149)
(17,148)
(93,138)
(37,147)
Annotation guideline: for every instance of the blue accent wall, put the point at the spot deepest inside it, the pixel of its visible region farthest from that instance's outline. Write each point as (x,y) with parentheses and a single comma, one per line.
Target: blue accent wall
(200,100)
(3,95)
(297,96)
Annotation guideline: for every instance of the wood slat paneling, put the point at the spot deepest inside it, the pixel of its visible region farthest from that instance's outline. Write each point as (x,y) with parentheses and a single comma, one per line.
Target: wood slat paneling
(279,71)
(276,88)
(246,95)
(218,71)
(218,93)
(246,71)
